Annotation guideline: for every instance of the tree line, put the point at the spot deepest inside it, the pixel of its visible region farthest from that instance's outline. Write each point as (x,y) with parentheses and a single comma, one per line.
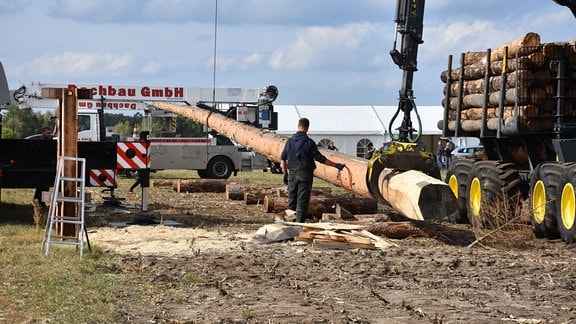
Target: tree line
(22,122)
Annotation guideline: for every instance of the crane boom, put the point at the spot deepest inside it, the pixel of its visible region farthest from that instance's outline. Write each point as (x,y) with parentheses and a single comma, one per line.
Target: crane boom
(409,26)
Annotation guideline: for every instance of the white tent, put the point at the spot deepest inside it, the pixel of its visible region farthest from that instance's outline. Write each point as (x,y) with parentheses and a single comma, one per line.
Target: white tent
(352,127)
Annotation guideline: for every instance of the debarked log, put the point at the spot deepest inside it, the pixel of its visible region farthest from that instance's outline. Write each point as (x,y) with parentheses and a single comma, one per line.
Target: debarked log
(320,205)
(269,144)
(424,193)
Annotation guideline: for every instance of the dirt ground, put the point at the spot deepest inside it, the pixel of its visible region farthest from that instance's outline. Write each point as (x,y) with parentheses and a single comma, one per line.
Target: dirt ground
(209,271)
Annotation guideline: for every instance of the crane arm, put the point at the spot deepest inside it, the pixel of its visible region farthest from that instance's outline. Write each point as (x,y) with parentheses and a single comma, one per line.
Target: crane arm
(409,26)
(571,4)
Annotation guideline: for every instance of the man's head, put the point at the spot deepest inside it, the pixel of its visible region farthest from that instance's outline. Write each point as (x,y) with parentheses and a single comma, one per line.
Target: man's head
(47,133)
(303,124)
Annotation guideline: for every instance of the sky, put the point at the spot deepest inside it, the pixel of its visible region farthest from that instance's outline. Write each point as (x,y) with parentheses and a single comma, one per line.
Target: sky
(316,52)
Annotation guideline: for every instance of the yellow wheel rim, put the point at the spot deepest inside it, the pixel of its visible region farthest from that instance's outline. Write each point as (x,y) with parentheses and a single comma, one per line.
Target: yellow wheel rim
(567,206)
(539,202)
(475,196)
(453,184)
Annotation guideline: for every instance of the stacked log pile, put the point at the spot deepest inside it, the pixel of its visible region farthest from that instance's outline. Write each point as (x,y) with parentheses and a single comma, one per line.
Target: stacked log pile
(529,89)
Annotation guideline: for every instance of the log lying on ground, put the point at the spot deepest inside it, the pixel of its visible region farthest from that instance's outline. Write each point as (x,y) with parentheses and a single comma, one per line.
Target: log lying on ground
(162,183)
(199,185)
(320,205)
(255,194)
(352,178)
(316,192)
(404,230)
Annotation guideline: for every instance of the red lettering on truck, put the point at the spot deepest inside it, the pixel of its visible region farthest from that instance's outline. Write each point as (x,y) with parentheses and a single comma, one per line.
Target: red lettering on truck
(176,92)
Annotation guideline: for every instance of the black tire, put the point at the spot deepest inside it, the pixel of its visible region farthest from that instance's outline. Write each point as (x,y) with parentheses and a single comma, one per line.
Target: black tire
(566,205)
(457,180)
(493,187)
(220,167)
(203,174)
(543,190)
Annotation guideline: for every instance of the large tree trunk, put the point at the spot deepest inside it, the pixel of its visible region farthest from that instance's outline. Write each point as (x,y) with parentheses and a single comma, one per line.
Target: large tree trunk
(352,178)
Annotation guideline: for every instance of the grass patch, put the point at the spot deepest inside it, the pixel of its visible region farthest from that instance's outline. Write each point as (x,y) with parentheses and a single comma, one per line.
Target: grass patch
(61,288)
(58,287)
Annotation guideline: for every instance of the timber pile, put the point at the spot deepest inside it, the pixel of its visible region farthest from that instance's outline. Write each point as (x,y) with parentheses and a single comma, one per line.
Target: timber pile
(530,82)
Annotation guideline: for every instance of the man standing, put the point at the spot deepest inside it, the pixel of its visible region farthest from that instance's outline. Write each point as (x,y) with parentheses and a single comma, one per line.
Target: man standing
(46,135)
(298,166)
(440,155)
(448,154)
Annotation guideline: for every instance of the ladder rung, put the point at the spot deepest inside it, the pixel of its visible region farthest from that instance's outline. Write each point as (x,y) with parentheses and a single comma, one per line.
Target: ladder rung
(72,179)
(66,243)
(69,199)
(66,217)
(62,237)
(66,221)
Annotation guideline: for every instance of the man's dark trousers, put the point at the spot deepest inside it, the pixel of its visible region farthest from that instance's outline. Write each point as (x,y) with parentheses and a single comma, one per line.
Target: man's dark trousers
(299,189)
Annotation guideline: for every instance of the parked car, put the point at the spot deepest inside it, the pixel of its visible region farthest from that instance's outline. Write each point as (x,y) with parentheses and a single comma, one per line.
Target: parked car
(461,152)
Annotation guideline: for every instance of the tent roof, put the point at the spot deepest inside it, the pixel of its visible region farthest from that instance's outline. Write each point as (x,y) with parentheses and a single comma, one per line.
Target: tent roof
(353,119)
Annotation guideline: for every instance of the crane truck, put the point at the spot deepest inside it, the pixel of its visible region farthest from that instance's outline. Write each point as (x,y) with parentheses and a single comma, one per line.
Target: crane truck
(30,163)
(520,101)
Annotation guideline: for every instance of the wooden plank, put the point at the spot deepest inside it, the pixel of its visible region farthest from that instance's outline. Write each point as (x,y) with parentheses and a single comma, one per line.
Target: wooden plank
(327,226)
(328,244)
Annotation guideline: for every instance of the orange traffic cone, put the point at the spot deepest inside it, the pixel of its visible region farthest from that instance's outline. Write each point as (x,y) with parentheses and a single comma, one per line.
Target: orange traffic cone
(135,135)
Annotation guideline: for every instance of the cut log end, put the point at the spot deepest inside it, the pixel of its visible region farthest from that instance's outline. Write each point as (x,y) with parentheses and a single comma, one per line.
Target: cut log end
(437,201)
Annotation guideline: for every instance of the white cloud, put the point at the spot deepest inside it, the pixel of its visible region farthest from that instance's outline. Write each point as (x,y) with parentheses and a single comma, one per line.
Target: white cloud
(152,68)
(80,64)
(341,47)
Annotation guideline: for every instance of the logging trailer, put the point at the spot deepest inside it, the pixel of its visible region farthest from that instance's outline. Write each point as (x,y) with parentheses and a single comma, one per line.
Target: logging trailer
(520,101)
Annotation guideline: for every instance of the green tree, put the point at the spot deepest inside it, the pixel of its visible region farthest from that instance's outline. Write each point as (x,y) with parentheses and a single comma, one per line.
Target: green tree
(19,123)
(124,128)
(188,128)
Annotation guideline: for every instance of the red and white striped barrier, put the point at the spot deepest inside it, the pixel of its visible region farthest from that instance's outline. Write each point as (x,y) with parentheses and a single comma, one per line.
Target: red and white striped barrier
(132,155)
(102,178)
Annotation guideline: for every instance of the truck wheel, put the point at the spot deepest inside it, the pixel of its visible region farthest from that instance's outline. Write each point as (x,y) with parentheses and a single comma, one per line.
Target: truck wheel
(220,167)
(566,205)
(493,190)
(543,190)
(457,180)
(203,174)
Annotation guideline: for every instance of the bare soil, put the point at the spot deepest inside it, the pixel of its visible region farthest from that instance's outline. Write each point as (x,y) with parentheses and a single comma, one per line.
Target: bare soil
(209,271)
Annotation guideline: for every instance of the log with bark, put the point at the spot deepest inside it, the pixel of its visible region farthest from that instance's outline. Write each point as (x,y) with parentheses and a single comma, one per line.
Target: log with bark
(255,194)
(199,185)
(320,205)
(352,178)
(161,183)
(511,96)
(521,78)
